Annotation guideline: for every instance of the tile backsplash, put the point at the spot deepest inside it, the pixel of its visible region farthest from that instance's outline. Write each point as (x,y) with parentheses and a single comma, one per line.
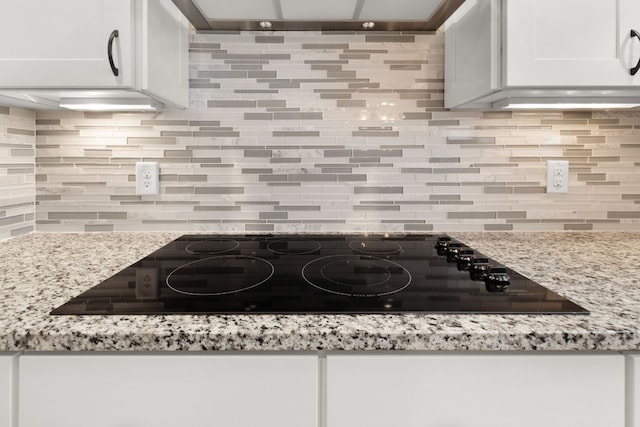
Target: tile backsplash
(17,169)
(292,132)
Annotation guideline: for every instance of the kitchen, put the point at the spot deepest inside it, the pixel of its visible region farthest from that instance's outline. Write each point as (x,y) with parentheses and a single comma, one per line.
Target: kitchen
(309,132)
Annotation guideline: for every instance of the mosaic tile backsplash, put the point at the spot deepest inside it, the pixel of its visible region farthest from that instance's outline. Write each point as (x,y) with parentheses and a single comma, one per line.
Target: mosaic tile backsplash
(313,132)
(17,172)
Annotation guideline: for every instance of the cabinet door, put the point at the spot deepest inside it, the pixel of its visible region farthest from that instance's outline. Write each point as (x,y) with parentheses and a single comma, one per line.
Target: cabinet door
(471,56)
(168,390)
(570,42)
(7,390)
(164,61)
(633,389)
(475,390)
(54,44)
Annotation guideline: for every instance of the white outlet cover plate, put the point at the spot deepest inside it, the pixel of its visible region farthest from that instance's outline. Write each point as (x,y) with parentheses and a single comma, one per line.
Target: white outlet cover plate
(147,178)
(557,176)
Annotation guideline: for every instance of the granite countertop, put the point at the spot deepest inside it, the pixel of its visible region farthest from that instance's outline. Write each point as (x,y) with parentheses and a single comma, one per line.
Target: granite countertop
(600,271)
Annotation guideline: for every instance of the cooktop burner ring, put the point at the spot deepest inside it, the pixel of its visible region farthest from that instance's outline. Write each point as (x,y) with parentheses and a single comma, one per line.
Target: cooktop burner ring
(375,247)
(396,277)
(270,270)
(190,247)
(306,247)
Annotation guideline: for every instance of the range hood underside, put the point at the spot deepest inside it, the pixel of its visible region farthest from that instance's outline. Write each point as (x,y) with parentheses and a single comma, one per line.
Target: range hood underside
(304,15)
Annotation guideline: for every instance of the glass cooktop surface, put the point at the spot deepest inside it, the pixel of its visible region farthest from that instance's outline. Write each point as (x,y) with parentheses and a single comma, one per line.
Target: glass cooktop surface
(306,274)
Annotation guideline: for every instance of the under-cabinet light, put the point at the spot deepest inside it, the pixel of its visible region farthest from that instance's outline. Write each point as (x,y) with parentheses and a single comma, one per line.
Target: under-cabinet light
(106,104)
(567,103)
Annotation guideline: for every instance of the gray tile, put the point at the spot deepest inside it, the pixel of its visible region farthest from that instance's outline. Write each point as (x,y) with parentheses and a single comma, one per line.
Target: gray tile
(471,140)
(57,132)
(416,116)
(295,133)
(164,122)
(219,190)
(273,215)
(269,39)
(217,208)
(313,177)
(14,131)
(623,214)
(204,123)
(325,46)
(291,208)
(471,215)
(143,141)
(231,104)
(298,116)
(498,227)
(258,153)
(112,215)
(259,227)
(4,110)
(578,227)
(376,208)
(378,190)
(416,170)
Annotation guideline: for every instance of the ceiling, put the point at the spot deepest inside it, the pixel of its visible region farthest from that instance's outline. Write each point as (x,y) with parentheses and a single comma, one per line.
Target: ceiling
(314,15)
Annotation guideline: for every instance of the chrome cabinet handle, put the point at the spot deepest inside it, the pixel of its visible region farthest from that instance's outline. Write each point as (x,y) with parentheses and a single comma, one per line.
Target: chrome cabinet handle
(115,70)
(635,69)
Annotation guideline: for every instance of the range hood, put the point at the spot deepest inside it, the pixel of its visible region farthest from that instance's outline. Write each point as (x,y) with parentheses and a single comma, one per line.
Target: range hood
(325,15)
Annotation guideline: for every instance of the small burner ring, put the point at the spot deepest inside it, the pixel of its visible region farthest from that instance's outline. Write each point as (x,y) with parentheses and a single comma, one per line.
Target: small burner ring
(196,248)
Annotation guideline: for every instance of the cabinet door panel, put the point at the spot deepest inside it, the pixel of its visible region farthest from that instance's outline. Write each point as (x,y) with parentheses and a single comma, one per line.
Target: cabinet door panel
(570,43)
(472,60)
(64,44)
(633,390)
(165,46)
(168,390)
(475,390)
(7,390)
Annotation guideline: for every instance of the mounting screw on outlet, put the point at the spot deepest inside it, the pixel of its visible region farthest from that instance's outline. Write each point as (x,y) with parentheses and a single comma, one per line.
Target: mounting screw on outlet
(557,176)
(147,178)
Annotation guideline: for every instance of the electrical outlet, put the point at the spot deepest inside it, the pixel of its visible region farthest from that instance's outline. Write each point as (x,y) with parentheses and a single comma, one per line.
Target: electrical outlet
(557,176)
(147,178)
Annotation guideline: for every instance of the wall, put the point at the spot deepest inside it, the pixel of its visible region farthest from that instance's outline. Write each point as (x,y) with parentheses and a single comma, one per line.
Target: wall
(17,171)
(333,132)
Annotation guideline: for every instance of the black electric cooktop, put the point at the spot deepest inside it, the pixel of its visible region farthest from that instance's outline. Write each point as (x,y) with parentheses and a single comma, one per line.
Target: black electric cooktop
(260,274)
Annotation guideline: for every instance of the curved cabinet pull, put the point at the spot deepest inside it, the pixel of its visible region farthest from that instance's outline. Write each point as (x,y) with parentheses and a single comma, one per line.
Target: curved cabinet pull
(113,35)
(635,69)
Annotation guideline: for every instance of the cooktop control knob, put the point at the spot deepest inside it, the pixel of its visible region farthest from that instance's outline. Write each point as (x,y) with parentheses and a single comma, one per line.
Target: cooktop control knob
(465,257)
(479,268)
(453,250)
(441,245)
(497,279)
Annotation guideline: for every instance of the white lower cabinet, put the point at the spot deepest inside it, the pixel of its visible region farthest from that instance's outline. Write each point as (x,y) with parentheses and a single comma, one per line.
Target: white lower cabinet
(7,389)
(137,390)
(475,390)
(633,390)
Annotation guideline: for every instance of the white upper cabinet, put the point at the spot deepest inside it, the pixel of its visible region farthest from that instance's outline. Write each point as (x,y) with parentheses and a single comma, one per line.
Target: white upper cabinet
(534,49)
(127,45)
(58,44)
(571,42)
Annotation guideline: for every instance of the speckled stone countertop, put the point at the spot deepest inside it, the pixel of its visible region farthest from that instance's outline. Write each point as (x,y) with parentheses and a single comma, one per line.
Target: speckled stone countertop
(600,271)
